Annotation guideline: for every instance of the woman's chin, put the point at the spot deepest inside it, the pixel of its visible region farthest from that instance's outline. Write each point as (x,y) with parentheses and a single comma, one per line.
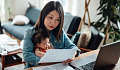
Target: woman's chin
(50,29)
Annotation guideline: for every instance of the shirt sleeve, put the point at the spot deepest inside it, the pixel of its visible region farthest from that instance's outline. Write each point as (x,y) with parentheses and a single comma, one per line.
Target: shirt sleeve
(68,44)
(28,54)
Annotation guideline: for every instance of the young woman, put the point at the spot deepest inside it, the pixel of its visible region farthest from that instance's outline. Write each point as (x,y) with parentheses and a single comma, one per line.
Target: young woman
(51,20)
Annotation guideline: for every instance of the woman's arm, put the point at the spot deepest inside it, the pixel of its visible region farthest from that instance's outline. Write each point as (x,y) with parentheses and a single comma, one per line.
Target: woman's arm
(39,53)
(28,54)
(68,44)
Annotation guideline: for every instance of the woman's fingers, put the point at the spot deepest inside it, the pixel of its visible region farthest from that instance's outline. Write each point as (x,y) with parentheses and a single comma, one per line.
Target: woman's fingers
(68,61)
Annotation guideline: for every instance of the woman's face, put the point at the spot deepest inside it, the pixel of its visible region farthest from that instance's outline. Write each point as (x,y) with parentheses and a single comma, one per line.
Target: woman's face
(52,20)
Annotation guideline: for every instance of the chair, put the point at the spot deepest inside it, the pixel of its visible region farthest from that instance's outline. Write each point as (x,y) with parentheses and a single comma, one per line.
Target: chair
(96,38)
(71,24)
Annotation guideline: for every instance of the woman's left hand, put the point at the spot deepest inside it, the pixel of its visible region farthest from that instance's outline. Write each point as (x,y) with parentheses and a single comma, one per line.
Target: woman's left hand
(68,61)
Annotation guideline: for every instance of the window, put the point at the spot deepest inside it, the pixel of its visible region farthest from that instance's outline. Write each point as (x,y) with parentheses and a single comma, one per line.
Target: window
(2,11)
(43,2)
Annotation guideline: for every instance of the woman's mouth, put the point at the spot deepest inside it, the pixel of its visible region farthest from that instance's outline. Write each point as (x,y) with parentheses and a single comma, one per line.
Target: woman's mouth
(51,26)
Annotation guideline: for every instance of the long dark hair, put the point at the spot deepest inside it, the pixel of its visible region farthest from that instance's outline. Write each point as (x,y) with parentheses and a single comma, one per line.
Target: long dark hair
(50,6)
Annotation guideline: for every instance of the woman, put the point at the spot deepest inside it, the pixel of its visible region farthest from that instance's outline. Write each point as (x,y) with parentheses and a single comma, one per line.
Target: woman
(51,20)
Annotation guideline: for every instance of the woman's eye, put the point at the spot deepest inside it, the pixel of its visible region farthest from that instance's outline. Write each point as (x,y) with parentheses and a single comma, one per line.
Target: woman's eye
(51,17)
(58,19)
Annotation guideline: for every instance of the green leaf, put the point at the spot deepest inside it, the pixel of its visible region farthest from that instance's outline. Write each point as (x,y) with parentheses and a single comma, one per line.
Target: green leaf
(102,27)
(116,30)
(110,28)
(118,24)
(102,3)
(112,35)
(104,30)
(115,9)
(117,36)
(98,24)
(104,7)
(110,10)
(92,23)
(99,20)
(99,13)
(99,7)
(118,3)
(104,19)
(105,13)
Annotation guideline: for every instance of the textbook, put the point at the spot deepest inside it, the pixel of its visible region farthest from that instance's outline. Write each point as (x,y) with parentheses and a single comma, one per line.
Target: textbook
(74,65)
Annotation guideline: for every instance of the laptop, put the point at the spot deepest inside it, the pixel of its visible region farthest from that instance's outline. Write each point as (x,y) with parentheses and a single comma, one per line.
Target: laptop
(108,57)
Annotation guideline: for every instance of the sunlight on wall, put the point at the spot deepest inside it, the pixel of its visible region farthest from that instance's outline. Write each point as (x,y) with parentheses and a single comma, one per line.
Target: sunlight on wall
(2,11)
(75,7)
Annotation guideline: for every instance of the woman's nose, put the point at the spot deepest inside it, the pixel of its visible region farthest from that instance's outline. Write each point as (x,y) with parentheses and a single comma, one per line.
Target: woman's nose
(53,22)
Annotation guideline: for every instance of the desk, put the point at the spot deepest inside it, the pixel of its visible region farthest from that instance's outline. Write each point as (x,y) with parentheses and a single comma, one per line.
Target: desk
(117,67)
(11,63)
(11,58)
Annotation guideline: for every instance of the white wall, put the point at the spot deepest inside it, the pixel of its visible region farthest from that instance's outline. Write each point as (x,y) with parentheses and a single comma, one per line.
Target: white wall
(18,7)
(76,7)
(21,6)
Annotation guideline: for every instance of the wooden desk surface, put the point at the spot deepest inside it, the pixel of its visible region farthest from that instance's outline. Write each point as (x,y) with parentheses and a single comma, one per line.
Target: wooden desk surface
(14,52)
(117,67)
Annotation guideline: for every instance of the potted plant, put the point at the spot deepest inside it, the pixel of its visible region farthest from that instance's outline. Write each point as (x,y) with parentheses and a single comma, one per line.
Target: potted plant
(10,14)
(109,23)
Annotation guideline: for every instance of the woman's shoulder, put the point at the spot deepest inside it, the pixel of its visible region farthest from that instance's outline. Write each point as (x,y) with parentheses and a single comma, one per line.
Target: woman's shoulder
(31,30)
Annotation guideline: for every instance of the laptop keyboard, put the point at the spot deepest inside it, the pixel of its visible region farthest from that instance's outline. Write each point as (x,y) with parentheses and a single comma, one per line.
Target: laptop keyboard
(88,66)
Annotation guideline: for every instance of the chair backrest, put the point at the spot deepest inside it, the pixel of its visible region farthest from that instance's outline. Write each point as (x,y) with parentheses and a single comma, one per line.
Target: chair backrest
(96,38)
(71,23)
(33,14)
(74,25)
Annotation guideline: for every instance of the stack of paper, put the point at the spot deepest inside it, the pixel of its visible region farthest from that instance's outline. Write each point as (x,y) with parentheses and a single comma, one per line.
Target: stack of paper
(10,45)
(12,48)
(12,42)
(59,66)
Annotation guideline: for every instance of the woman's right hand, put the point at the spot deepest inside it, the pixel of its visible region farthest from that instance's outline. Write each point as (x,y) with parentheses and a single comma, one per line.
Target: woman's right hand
(39,53)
